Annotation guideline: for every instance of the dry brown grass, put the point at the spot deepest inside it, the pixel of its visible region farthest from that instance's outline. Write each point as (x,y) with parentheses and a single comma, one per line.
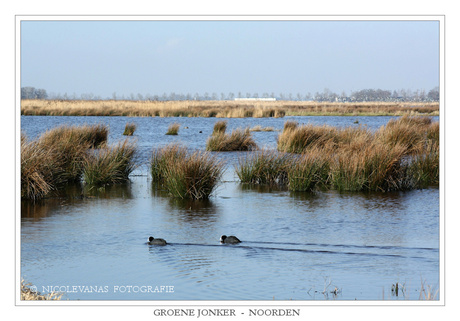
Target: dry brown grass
(404,154)
(231,109)
(28,294)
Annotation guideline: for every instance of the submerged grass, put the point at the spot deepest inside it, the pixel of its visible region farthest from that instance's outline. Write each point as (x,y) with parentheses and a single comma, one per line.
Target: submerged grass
(186,175)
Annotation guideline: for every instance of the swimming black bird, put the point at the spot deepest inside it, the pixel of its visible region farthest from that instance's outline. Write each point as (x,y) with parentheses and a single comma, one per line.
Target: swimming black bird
(153,241)
(229,239)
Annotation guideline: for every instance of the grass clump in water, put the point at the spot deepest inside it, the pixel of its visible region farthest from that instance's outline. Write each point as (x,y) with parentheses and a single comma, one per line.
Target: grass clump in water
(238,140)
(37,170)
(296,139)
(109,165)
(309,170)
(56,158)
(264,167)
(402,155)
(173,129)
(163,158)
(94,135)
(410,131)
(373,168)
(130,128)
(424,165)
(220,127)
(186,175)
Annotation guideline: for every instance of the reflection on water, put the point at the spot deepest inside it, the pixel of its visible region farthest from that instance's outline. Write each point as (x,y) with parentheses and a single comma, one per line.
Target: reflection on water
(292,242)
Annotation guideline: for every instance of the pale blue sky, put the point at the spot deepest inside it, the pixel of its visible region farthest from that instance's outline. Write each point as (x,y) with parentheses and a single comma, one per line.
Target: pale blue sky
(153,57)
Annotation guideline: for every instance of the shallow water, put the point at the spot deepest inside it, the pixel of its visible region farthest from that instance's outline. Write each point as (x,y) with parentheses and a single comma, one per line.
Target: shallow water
(294,244)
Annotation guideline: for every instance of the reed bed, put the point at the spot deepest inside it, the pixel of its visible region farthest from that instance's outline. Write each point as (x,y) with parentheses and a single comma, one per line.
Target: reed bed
(374,168)
(186,175)
(402,155)
(309,171)
(173,129)
(130,128)
(224,109)
(109,165)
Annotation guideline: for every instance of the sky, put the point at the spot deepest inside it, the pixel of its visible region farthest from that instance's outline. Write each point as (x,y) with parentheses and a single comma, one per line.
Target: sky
(156,57)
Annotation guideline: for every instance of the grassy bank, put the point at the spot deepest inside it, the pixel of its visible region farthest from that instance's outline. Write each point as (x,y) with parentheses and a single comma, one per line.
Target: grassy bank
(231,109)
(402,155)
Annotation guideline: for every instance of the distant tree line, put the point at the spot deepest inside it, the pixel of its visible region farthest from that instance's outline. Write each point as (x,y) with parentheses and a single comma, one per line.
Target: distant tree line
(32,93)
(402,95)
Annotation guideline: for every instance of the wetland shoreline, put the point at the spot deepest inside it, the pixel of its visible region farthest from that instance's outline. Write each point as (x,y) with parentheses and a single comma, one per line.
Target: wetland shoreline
(223,109)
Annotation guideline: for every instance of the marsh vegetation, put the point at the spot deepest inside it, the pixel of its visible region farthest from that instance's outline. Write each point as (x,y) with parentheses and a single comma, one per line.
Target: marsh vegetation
(184,174)
(71,154)
(402,155)
(221,109)
(173,129)
(276,225)
(238,140)
(130,128)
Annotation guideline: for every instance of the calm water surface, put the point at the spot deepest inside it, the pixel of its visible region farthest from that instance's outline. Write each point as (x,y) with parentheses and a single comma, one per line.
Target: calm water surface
(294,244)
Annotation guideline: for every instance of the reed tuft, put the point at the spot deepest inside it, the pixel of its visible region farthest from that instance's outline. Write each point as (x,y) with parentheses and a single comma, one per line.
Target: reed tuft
(238,140)
(56,158)
(264,167)
(220,127)
(186,175)
(309,170)
(109,165)
(130,128)
(173,129)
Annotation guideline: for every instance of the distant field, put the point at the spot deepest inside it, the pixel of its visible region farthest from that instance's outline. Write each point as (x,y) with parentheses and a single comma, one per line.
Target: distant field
(232,109)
